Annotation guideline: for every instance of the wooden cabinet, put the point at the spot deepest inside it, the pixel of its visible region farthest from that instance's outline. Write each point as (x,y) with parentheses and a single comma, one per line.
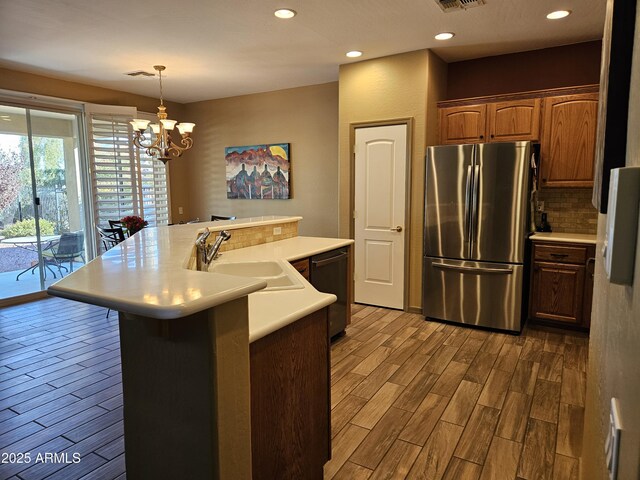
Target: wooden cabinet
(492,122)
(514,120)
(568,140)
(562,120)
(290,403)
(463,124)
(561,287)
(302,266)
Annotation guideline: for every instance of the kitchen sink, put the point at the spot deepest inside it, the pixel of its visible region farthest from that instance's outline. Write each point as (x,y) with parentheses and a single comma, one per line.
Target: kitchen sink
(279,275)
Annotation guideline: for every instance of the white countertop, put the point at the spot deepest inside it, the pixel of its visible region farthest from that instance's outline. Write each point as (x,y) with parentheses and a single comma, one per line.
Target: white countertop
(272,310)
(564,237)
(147,275)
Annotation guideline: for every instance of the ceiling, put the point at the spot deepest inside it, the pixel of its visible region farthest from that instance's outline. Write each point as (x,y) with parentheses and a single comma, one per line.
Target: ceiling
(222,48)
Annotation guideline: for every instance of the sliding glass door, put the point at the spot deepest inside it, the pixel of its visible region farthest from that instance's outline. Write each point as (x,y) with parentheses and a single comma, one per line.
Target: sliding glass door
(42,213)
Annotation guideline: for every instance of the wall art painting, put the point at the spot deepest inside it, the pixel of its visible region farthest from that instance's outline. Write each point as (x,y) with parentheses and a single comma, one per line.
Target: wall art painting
(258,172)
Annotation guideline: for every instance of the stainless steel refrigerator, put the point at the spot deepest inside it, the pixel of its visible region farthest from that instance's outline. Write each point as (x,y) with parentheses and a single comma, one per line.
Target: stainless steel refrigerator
(476,225)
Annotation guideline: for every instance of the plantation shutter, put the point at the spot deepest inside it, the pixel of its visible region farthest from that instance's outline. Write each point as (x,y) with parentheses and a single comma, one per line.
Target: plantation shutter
(112,163)
(154,185)
(124,180)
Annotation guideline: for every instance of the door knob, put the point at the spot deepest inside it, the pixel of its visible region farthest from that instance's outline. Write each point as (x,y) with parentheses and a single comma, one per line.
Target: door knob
(396,229)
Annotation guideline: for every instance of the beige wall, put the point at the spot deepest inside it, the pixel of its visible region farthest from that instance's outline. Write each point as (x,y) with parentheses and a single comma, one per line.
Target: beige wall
(404,86)
(305,117)
(52,87)
(614,346)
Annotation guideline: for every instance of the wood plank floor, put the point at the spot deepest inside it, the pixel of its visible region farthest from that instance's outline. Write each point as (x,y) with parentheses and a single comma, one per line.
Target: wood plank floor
(423,400)
(410,399)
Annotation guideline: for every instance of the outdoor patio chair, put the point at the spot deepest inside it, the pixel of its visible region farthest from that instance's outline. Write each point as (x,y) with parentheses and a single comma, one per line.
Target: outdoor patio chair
(67,249)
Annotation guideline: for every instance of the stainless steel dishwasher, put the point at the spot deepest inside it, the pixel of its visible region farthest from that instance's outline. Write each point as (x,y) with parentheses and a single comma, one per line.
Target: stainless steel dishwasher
(329,275)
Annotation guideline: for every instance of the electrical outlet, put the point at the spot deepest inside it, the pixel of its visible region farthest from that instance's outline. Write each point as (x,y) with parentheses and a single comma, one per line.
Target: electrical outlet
(612,444)
(277,230)
(540,206)
(180,211)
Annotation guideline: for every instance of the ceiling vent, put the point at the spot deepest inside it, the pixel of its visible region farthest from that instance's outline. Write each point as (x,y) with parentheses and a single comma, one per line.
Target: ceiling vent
(140,73)
(453,5)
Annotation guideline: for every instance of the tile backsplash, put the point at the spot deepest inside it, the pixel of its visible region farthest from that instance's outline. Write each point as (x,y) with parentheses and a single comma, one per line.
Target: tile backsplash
(569,210)
(248,237)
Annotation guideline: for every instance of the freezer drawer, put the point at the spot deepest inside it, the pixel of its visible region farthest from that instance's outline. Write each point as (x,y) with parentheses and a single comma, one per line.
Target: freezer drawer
(474,293)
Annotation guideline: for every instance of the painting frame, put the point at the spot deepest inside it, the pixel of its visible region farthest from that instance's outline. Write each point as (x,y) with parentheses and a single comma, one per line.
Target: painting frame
(258,172)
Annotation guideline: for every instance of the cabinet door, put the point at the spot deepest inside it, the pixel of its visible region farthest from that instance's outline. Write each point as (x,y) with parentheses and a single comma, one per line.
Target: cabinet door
(302,266)
(463,124)
(568,140)
(514,120)
(557,292)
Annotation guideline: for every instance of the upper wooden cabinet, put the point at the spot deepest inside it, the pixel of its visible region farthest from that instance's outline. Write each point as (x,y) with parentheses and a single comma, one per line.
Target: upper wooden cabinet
(514,120)
(563,120)
(491,122)
(568,140)
(463,124)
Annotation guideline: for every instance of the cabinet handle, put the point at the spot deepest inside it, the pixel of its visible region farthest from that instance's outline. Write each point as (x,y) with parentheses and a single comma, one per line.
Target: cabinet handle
(481,136)
(544,180)
(591,260)
(559,255)
(492,135)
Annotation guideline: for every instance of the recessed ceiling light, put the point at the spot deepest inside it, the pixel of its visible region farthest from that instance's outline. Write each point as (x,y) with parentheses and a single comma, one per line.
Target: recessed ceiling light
(558,14)
(445,36)
(354,54)
(285,13)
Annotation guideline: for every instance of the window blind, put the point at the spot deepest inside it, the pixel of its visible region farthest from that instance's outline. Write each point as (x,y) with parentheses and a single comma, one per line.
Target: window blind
(124,180)
(154,185)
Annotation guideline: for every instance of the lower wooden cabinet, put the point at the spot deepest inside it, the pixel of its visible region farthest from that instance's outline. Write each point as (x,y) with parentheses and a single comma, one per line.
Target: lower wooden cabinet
(302,266)
(561,284)
(290,400)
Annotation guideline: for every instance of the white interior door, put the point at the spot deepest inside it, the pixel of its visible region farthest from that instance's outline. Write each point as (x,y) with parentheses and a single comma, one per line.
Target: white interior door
(380,182)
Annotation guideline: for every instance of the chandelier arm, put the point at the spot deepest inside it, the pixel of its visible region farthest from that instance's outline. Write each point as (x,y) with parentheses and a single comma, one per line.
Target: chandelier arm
(139,138)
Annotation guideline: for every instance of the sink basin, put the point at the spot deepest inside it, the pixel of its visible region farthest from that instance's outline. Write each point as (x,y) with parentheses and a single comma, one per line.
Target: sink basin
(278,275)
(248,269)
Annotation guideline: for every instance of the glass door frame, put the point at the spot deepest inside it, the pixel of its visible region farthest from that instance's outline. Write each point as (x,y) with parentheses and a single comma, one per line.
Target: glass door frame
(31,103)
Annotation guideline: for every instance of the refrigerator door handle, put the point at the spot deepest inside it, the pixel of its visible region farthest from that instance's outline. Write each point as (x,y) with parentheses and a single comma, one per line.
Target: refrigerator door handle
(473,221)
(467,205)
(478,270)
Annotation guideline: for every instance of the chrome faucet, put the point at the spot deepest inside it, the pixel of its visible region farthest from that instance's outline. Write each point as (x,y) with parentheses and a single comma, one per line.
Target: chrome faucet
(207,253)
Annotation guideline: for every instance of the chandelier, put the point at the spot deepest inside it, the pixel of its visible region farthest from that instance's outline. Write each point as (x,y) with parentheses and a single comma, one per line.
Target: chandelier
(158,143)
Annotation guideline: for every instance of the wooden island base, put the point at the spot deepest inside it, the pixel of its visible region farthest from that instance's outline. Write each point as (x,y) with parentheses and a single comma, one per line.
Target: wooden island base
(201,403)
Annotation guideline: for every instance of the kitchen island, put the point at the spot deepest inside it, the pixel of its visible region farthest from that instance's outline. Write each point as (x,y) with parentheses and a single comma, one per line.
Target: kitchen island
(185,345)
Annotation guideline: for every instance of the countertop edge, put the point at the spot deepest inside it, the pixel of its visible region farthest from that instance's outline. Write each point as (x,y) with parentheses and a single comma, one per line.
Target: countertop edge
(324,300)
(161,312)
(562,237)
